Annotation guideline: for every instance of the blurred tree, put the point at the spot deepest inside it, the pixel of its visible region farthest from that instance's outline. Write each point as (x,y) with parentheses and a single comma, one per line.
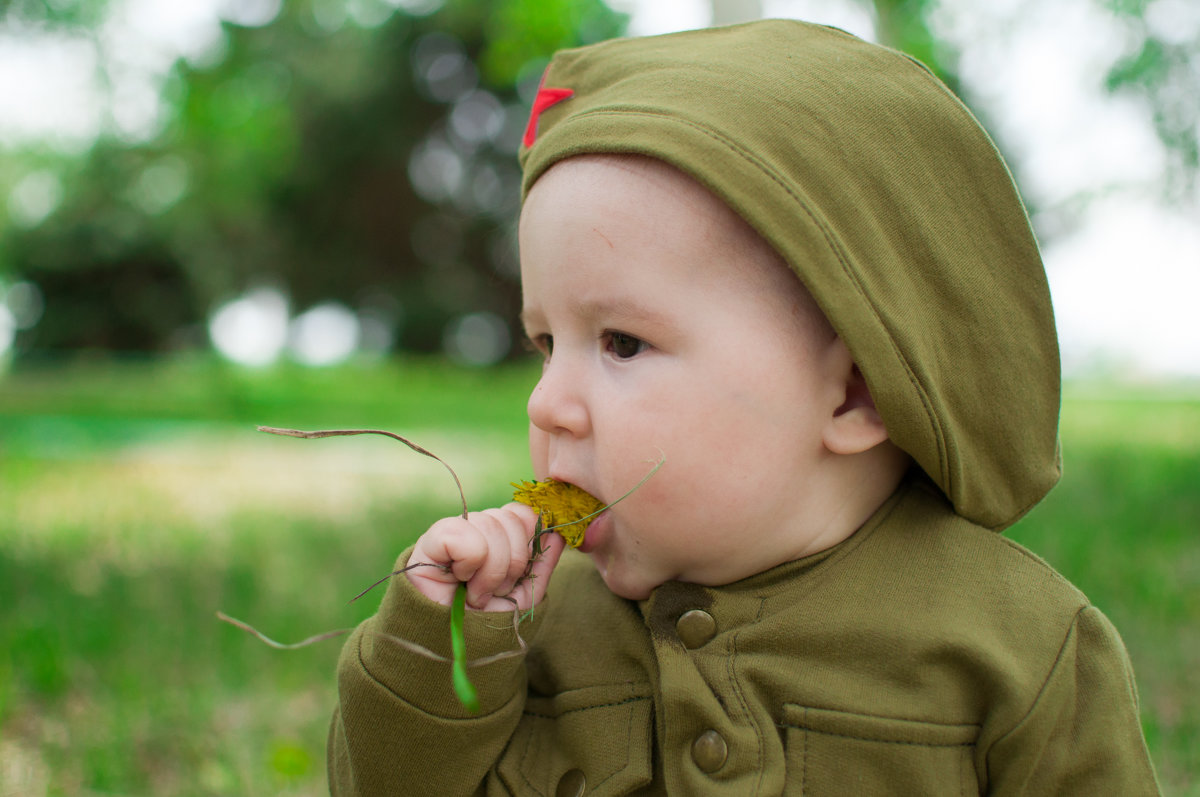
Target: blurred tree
(1159,65)
(346,150)
(1162,66)
(86,14)
(364,151)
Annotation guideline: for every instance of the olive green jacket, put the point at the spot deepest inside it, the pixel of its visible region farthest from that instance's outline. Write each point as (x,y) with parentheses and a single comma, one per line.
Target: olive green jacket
(922,656)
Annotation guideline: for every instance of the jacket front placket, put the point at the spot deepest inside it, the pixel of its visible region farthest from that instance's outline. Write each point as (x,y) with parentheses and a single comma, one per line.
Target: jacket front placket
(713,739)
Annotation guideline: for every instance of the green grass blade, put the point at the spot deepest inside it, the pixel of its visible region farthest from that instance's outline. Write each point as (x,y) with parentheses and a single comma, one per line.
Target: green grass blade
(458,645)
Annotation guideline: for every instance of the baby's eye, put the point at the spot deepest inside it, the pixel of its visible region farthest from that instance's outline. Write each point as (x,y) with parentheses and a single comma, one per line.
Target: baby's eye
(542,344)
(625,346)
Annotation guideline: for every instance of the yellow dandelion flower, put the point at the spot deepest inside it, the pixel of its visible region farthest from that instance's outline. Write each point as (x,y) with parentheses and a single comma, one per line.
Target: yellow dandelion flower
(560,504)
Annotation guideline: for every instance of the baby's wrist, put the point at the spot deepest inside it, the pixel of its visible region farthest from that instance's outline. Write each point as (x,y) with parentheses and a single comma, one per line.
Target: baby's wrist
(406,614)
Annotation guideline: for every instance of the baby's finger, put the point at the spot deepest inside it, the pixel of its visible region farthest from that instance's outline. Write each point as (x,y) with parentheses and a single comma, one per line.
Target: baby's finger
(458,543)
(553,546)
(451,550)
(492,572)
(519,522)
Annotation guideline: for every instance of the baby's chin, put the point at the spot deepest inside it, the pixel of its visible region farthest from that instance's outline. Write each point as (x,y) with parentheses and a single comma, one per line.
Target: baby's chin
(630,589)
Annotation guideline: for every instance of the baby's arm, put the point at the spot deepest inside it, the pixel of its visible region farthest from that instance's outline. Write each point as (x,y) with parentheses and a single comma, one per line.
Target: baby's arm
(1082,735)
(399,728)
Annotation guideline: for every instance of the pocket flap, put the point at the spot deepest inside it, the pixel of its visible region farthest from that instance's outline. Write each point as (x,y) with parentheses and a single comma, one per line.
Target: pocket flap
(879,729)
(603,732)
(834,753)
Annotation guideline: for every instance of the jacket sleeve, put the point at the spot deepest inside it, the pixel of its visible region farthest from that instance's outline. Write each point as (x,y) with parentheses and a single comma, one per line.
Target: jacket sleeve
(1083,735)
(398,727)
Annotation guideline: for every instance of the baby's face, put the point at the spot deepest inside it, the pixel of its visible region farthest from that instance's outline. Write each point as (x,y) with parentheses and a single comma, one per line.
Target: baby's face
(671,331)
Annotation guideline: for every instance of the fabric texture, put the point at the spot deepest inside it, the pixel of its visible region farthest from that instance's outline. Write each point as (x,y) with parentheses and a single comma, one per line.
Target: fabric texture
(887,198)
(924,655)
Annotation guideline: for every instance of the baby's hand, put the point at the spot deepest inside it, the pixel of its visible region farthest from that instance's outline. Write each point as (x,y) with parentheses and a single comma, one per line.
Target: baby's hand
(490,551)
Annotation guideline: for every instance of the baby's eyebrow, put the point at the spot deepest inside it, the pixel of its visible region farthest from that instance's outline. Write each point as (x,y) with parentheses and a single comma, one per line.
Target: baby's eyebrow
(620,308)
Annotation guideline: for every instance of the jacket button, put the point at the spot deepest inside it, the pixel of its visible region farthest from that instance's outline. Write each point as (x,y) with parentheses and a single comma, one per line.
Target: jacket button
(709,751)
(571,784)
(695,628)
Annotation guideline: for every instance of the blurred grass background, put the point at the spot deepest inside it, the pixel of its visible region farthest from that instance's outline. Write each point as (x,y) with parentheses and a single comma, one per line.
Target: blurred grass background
(136,500)
(272,178)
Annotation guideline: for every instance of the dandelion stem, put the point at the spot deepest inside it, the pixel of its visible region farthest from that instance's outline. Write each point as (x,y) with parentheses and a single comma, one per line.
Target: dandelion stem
(458,646)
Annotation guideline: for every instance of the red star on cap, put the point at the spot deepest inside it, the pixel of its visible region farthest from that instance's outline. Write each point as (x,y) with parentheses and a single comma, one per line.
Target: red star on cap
(546,97)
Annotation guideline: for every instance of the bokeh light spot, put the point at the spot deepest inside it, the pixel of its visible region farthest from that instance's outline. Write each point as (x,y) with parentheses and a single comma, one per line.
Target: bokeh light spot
(252,329)
(477,339)
(325,334)
(436,170)
(161,185)
(8,331)
(251,13)
(24,303)
(35,197)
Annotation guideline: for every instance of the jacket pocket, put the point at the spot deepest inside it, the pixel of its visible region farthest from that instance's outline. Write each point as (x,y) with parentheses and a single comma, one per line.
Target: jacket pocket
(600,735)
(839,753)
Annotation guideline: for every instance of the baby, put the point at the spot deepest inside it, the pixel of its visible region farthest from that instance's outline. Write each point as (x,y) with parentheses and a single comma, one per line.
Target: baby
(790,267)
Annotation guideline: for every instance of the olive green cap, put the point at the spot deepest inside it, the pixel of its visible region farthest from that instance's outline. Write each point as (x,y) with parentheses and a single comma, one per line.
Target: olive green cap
(887,198)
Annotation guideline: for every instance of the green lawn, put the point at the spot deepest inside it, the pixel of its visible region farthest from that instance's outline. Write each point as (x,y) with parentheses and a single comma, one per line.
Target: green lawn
(136,500)
(1124,526)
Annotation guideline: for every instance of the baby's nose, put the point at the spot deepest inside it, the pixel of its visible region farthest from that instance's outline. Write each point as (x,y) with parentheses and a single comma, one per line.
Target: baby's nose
(557,404)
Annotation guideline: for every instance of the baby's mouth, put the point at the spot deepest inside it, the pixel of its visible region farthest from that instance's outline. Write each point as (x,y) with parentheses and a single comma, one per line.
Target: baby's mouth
(563,507)
(597,530)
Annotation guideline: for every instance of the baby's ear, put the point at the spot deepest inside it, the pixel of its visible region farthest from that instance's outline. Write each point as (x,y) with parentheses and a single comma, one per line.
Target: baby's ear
(855,425)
